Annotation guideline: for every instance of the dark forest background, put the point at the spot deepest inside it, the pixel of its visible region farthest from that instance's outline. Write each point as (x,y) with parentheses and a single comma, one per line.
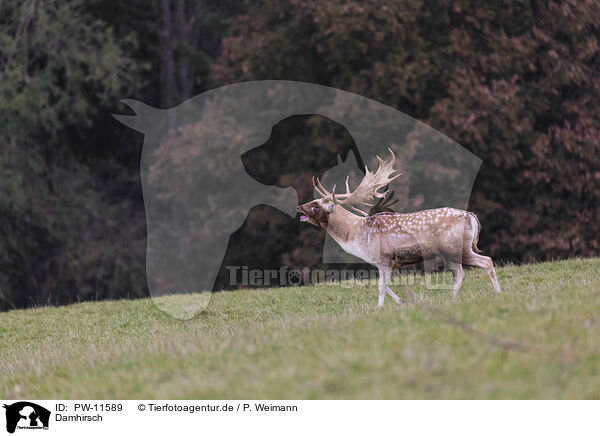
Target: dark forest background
(517,82)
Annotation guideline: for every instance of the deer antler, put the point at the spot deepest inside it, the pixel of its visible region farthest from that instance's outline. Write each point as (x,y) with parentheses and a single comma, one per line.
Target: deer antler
(384,204)
(367,189)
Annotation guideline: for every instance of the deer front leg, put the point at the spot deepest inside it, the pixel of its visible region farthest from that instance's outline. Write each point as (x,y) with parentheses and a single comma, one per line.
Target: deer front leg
(382,286)
(385,274)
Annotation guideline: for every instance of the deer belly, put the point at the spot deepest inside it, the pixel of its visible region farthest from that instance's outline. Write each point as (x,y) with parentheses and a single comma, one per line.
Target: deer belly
(405,250)
(408,256)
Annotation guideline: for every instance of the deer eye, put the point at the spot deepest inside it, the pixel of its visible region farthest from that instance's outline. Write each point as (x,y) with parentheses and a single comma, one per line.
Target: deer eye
(315,207)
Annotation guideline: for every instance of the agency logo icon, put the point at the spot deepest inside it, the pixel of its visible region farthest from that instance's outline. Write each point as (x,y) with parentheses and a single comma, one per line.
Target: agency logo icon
(26,415)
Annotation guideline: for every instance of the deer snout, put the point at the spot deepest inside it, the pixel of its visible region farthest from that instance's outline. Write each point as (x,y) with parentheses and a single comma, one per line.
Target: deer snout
(304,214)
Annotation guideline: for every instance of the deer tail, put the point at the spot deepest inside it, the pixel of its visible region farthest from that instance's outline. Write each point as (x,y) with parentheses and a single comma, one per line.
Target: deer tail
(476,225)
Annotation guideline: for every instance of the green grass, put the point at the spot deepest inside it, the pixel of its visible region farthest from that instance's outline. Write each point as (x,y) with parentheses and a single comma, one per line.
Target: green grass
(539,339)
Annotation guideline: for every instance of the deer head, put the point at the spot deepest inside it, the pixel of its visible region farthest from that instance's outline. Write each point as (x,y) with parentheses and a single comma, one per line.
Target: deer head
(317,211)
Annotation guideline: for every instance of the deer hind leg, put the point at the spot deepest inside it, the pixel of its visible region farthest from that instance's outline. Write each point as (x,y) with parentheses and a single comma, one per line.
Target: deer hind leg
(458,274)
(485,263)
(385,274)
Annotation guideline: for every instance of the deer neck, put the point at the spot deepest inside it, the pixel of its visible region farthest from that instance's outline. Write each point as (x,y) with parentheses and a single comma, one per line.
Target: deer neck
(347,230)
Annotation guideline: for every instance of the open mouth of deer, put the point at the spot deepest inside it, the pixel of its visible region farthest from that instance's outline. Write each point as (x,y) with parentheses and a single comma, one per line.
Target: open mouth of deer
(303,217)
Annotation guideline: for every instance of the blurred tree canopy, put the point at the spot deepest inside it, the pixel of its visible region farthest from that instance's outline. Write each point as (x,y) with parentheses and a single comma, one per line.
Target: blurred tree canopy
(61,71)
(517,82)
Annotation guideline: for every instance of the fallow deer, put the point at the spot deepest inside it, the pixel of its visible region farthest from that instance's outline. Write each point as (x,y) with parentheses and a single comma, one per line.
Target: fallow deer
(391,240)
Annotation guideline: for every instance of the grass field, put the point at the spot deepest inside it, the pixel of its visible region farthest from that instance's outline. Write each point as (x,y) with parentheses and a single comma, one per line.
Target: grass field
(539,339)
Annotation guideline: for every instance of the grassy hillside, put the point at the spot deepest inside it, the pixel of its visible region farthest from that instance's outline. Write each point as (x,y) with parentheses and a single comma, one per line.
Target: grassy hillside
(539,339)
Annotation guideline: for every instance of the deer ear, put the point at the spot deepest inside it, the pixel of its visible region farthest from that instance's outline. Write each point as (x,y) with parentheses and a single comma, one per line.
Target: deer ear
(329,207)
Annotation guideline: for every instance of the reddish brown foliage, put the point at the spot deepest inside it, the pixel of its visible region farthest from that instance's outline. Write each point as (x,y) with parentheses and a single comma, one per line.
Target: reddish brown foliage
(517,82)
